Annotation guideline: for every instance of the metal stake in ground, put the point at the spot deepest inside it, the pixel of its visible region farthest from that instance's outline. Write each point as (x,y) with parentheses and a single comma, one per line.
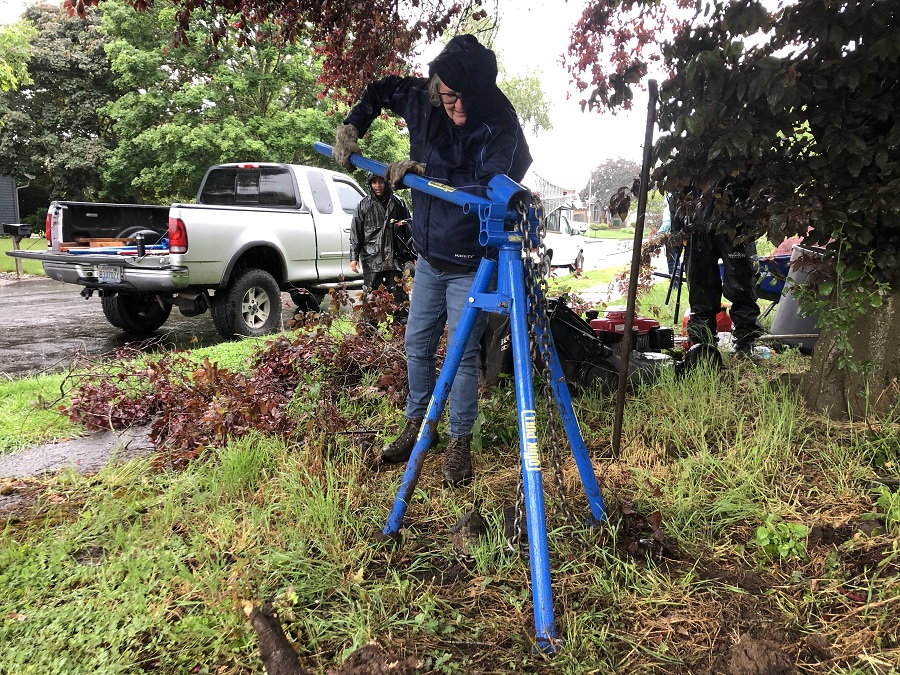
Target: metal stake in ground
(635,269)
(501,216)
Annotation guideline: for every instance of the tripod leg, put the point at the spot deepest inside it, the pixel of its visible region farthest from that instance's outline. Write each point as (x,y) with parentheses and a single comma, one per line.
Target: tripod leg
(573,432)
(438,399)
(545,628)
(676,273)
(681,280)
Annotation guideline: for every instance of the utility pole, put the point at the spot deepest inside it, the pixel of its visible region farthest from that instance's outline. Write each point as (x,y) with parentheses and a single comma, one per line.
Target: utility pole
(591,199)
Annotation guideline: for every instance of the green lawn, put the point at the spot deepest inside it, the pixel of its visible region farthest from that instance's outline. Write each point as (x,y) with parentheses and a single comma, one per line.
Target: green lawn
(623,233)
(33,243)
(739,523)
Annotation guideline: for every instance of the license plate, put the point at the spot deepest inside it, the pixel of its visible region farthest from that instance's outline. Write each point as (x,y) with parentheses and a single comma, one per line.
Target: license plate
(108,274)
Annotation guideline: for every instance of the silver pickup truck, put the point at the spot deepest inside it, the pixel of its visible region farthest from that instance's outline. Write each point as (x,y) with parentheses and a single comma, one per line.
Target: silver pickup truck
(257,229)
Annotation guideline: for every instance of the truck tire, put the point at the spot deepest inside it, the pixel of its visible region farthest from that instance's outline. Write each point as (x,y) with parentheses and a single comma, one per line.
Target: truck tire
(250,306)
(139,313)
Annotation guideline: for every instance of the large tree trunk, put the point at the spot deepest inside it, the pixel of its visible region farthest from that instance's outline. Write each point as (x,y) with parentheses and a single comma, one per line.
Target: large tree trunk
(845,394)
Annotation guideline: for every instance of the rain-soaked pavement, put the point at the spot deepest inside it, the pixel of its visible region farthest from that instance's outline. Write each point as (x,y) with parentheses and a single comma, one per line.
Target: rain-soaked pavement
(45,323)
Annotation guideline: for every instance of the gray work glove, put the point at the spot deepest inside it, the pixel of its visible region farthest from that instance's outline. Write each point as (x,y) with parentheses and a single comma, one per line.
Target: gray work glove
(345,144)
(396,171)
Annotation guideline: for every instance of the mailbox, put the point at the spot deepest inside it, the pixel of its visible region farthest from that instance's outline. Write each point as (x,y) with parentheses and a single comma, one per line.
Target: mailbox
(17,229)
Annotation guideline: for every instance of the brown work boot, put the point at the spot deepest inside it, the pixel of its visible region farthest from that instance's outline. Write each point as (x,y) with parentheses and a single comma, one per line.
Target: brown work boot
(401,448)
(458,461)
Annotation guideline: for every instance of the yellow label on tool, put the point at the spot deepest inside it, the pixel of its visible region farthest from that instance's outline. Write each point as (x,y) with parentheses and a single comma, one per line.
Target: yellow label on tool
(532,455)
(441,186)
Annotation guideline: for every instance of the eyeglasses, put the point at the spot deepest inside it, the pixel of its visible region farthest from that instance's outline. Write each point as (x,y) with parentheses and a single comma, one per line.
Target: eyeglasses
(449,97)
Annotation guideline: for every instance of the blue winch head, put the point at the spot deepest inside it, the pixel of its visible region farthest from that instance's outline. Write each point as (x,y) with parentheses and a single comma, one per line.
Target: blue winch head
(499,218)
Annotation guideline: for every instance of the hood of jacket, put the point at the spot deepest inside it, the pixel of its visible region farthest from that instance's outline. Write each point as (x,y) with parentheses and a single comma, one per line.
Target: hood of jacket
(469,68)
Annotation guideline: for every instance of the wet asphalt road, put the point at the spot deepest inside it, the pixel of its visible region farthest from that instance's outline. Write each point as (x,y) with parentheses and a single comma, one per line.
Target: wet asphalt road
(45,324)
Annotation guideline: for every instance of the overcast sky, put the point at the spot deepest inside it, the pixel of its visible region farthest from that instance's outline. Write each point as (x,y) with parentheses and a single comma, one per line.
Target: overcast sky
(533,35)
(11,10)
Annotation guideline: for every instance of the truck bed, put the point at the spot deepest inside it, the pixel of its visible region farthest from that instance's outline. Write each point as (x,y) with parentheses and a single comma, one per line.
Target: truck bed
(86,221)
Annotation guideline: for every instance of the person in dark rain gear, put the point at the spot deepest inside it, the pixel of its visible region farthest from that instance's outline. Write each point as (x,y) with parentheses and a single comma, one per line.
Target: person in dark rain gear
(373,237)
(707,244)
(462,131)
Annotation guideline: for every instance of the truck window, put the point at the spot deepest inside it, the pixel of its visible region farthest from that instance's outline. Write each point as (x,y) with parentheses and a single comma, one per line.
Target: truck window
(320,193)
(266,186)
(552,223)
(247,188)
(218,188)
(349,195)
(276,188)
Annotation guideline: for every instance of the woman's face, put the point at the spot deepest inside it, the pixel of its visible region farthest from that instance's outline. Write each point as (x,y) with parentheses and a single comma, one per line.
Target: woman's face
(453,104)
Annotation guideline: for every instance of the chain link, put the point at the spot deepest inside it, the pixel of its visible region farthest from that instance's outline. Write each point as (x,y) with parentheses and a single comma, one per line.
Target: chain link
(536,272)
(515,541)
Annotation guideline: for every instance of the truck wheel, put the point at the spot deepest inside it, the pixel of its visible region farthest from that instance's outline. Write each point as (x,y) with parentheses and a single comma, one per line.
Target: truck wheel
(250,306)
(135,312)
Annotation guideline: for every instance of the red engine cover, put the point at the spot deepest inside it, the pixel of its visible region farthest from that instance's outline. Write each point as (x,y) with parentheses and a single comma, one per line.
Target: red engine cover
(614,322)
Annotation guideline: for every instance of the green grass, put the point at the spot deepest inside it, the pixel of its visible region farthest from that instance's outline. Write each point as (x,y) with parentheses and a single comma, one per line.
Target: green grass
(8,264)
(622,233)
(145,569)
(30,414)
(31,405)
(582,281)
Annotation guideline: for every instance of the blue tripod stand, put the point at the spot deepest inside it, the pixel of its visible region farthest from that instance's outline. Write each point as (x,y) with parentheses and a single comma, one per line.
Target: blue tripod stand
(499,214)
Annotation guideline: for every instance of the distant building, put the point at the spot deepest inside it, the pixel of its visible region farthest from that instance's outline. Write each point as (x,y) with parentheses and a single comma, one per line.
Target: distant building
(9,201)
(580,215)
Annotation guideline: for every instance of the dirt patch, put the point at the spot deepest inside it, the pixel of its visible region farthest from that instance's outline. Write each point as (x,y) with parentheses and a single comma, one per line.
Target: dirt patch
(87,454)
(751,656)
(16,498)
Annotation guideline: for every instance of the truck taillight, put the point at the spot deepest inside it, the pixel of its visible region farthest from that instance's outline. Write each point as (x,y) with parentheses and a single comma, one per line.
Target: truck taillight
(48,228)
(178,242)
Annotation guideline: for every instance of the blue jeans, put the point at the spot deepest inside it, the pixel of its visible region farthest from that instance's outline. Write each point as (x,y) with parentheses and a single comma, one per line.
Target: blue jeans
(438,298)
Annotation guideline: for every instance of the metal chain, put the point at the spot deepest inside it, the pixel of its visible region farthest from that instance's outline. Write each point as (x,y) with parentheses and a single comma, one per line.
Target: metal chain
(536,287)
(515,541)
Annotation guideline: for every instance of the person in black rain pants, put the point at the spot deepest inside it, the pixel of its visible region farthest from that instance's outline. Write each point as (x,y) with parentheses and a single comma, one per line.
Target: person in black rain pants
(373,240)
(708,243)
